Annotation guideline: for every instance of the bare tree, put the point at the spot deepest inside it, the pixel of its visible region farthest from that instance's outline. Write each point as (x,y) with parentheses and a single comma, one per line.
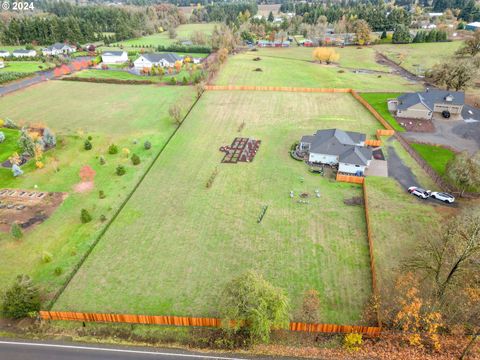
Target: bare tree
(453,75)
(471,46)
(464,171)
(175,113)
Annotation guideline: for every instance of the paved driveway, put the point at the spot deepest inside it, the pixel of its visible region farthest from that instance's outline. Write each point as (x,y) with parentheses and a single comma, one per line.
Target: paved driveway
(458,134)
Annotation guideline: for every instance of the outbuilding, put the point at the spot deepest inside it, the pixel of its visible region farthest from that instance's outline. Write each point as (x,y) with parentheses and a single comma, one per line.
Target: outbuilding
(114,57)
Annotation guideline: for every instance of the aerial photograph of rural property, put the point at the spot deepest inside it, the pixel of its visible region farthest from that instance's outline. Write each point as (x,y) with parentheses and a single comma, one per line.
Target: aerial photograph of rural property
(240,179)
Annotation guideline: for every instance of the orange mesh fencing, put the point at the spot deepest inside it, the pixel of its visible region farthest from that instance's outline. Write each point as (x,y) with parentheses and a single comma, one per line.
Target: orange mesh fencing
(192,321)
(275,88)
(350,178)
(374,112)
(384,132)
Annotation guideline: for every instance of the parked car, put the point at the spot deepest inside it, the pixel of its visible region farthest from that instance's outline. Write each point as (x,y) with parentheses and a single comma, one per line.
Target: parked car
(421,193)
(443,196)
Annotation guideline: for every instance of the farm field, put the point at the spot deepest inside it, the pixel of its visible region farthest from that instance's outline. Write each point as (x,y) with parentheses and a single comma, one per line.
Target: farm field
(289,71)
(120,114)
(379,103)
(183,33)
(25,66)
(350,56)
(124,75)
(417,58)
(181,241)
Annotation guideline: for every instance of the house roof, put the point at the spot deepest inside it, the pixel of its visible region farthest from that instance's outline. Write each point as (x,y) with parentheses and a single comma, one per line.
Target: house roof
(357,155)
(3,51)
(340,143)
(59,46)
(157,57)
(430,98)
(113,53)
(22,51)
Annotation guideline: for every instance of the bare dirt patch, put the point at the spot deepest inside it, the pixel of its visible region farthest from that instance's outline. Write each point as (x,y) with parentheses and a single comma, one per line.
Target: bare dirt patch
(356,200)
(83,186)
(416,125)
(27,208)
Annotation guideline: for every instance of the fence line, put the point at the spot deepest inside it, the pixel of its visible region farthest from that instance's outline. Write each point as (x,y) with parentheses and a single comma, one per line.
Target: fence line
(275,88)
(195,321)
(374,143)
(370,108)
(350,178)
(371,252)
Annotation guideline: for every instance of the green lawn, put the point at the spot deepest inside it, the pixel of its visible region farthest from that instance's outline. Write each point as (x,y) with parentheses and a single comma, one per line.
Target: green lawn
(183,33)
(399,221)
(289,71)
(176,243)
(350,56)
(379,103)
(25,66)
(9,146)
(417,58)
(120,114)
(123,75)
(436,156)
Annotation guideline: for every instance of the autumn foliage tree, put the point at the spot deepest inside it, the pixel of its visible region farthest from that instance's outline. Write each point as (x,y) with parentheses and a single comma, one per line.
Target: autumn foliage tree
(326,54)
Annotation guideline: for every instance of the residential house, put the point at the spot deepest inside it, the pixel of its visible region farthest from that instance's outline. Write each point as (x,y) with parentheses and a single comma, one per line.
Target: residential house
(24,53)
(156,59)
(433,103)
(2,64)
(114,57)
(473,26)
(59,49)
(337,147)
(4,53)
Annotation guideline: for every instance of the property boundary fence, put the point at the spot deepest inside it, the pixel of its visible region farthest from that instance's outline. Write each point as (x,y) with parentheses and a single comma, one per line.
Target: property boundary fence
(350,178)
(195,321)
(370,108)
(374,143)
(275,88)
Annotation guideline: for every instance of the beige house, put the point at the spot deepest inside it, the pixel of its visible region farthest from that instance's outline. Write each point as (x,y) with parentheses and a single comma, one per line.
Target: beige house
(426,105)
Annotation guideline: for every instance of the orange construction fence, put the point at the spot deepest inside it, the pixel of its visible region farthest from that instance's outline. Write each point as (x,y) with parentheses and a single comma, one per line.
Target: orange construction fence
(275,88)
(192,321)
(383,132)
(350,178)
(370,108)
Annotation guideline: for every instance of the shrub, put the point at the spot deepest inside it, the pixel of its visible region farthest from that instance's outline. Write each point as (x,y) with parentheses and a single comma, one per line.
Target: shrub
(103,218)
(21,298)
(185,80)
(89,137)
(135,159)
(120,170)
(101,160)
(113,149)
(16,231)
(85,216)
(352,341)
(173,81)
(47,257)
(126,152)
(2,137)
(87,145)
(147,145)
(58,271)
(101,194)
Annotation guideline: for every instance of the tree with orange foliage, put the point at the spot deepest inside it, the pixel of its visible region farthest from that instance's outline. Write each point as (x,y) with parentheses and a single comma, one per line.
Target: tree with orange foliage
(326,54)
(178,66)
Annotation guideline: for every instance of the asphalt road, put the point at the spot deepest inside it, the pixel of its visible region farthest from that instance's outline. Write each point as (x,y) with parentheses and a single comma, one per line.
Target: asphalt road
(19,350)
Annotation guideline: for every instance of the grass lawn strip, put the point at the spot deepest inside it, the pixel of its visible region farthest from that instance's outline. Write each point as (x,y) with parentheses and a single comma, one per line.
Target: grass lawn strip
(436,156)
(379,103)
(321,245)
(10,145)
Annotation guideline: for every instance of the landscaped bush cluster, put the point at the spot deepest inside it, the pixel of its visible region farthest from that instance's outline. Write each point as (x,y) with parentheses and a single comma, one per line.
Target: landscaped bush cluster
(11,76)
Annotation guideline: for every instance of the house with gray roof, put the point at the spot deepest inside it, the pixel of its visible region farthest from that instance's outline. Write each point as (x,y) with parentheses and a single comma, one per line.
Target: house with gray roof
(156,59)
(24,53)
(4,53)
(337,147)
(433,103)
(58,49)
(114,57)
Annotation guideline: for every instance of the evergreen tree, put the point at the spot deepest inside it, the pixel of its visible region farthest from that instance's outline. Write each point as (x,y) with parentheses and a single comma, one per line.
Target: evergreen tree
(401,35)
(16,231)
(270,17)
(20,299)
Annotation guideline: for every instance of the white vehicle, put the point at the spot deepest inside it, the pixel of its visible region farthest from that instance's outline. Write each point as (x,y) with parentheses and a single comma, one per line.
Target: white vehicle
(421,193)
(442,196)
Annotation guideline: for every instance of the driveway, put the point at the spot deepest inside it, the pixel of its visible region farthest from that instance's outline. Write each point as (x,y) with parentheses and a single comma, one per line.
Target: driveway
(457,134)
(399,171)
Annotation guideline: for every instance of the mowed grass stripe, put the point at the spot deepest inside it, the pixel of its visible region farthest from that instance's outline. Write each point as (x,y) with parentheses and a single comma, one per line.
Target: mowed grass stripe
(175,244)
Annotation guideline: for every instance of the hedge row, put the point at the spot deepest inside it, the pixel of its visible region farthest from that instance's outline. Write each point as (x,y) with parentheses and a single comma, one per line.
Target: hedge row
(11,76)
(110,81)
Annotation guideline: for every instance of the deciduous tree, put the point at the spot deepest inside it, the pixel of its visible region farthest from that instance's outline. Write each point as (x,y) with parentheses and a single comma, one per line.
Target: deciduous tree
(464,171)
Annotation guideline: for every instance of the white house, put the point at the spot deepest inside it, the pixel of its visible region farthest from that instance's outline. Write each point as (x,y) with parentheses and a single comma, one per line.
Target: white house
(2,64)
(337,147)
(58,49)
(24,53)
(4,53)
(114,57)
(154,59)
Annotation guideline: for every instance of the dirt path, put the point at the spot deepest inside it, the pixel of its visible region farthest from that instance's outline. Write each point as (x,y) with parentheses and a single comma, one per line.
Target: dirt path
(397,69)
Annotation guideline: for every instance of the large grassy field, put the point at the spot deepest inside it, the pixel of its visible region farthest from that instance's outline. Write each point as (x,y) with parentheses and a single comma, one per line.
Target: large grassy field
(124,115)
(183,33)
(417,58)
(289,70)
(176,243)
